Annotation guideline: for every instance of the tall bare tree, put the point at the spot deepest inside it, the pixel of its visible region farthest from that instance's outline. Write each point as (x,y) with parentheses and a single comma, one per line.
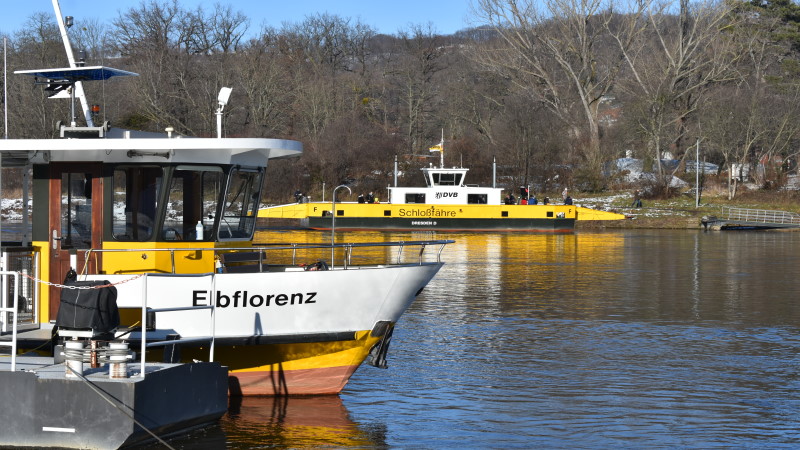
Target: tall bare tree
(671,65)
(552,49)
(414,71)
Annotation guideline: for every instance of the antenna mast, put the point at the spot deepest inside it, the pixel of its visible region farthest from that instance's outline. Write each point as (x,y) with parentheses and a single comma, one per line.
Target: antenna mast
(71,58)
(441,152)
(5,86)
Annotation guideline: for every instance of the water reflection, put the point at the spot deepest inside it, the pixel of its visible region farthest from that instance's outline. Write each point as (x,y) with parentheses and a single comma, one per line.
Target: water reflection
(294,422)
(592,339)
(622,338)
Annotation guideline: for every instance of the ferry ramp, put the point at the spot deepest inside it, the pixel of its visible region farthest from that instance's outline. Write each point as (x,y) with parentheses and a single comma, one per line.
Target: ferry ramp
(732,218)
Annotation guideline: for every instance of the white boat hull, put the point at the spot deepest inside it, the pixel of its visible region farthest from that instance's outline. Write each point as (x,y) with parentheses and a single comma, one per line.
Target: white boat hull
(296,332)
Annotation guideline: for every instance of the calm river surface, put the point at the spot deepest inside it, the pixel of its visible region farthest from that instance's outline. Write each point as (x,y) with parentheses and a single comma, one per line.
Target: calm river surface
(593,339)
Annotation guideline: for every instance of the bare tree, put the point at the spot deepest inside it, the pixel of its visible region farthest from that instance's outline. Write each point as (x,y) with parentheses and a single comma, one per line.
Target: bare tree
(552,50)
(413,71)
(671,65)
(757,119)
(31,114)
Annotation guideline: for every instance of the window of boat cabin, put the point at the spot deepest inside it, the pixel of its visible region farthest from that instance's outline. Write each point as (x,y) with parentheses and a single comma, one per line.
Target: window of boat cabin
(241,205)
(136,193)
(415,198)
(76,210)
(446,179)
(477,199)
(193,196)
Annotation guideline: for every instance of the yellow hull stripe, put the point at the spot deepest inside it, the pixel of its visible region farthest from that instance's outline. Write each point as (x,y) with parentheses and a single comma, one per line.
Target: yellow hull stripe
(298,356)
(378,210)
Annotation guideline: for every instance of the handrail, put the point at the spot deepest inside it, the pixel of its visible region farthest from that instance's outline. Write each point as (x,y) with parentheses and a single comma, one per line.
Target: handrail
(761,215)
(5,309)
(144,343)
(348,248)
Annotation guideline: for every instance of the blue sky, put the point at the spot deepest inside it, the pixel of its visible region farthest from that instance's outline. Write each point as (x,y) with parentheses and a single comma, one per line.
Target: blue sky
(386,16)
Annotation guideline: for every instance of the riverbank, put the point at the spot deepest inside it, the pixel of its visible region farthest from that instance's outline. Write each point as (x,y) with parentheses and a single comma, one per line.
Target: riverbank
(680,212)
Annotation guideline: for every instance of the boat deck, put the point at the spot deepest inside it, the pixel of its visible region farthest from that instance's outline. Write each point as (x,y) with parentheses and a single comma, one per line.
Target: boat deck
(45,367)
(42,407)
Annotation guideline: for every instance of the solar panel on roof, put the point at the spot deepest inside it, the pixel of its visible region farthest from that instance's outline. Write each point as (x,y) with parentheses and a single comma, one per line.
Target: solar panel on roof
(93,73)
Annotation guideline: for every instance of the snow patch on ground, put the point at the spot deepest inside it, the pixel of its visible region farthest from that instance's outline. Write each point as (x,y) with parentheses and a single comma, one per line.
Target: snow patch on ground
(11,209)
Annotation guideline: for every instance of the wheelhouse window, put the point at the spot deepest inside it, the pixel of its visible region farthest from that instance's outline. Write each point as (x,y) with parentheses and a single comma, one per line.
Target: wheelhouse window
(446,179)
(193,196)
(238,219)
(136,193)
(477,199)
(415,198)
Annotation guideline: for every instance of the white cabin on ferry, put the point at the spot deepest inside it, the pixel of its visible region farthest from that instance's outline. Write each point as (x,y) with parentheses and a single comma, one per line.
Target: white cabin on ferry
(445,186)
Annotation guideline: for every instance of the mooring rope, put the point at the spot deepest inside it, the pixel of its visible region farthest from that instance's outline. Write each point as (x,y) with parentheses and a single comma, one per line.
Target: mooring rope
(101,394)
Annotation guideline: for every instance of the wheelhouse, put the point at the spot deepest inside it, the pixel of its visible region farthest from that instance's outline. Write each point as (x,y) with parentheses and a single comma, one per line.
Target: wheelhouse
(152,203)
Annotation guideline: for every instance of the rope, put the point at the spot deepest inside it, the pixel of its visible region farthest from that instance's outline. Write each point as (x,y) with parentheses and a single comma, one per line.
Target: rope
(104,397)
(64,286)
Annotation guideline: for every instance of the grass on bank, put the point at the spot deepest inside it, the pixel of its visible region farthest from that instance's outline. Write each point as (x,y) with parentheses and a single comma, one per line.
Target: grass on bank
(680,211)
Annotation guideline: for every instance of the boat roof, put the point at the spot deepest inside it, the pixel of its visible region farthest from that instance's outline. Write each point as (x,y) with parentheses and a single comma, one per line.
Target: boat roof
(253,152)
(74,74)
(114,145)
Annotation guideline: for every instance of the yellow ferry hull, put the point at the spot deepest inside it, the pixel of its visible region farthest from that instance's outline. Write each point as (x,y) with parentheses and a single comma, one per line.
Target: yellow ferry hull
(356,216)
(311,368)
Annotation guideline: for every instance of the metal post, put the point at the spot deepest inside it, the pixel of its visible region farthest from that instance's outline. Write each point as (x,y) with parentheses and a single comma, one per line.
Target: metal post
(494,172)
(25,188)
(143,327)
(5,85)
(333,219)
(697,175)
(219,122)
(77,88)
(395,170)
(214,316)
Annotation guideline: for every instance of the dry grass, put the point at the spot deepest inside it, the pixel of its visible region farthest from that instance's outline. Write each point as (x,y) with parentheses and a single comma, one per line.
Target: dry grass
(679,212)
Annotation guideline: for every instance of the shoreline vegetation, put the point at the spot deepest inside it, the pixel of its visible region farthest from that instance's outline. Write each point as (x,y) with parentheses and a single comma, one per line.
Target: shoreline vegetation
(680,212)
(677,212)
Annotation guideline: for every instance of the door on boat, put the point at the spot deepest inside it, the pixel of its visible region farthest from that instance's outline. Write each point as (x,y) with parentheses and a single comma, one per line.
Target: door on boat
(76,222)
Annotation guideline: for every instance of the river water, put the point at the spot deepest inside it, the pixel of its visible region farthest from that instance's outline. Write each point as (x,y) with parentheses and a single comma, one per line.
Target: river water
(594,339)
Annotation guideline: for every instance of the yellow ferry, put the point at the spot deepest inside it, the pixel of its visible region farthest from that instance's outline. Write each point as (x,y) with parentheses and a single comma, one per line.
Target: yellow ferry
(445,203)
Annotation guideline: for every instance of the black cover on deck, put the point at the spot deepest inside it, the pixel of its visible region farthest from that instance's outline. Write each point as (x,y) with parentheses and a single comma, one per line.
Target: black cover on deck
(89,309)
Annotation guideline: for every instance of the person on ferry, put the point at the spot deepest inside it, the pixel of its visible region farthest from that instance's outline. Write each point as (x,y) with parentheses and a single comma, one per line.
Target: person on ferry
(532,200)
(370,198)
(361,198)
(568,200)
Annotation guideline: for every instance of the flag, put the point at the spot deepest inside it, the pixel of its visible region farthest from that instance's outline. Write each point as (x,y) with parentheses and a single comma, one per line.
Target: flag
(436,148)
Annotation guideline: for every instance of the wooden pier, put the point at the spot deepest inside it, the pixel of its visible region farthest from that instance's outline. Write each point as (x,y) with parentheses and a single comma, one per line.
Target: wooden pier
(751,219)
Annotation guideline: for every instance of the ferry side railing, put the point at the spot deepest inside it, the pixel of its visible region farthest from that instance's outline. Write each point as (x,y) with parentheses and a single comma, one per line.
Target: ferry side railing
(7,308)
(760,215)
(347,248)
(145,345)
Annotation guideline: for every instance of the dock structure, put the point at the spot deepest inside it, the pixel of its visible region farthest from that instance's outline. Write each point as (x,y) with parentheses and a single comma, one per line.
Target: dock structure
(61,401)
(42,406)
(732,218)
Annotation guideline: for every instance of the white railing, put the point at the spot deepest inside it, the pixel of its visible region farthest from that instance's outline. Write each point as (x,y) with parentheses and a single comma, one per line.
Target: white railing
(10,308)
(760,216)
(348,250)
(145,344)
